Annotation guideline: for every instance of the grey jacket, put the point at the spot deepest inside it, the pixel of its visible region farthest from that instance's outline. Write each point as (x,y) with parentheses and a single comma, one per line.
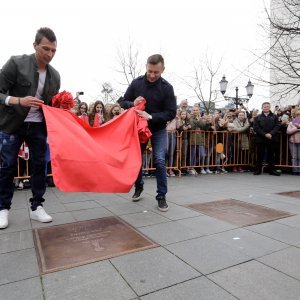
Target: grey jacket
(19,78)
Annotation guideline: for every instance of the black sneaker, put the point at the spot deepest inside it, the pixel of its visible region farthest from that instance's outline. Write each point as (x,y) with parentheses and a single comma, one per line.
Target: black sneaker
(137,194)
(162,203)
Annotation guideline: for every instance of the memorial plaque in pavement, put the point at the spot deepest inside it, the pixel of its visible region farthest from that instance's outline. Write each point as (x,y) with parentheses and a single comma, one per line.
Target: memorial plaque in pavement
(294,194)
(69,245)
(238,212)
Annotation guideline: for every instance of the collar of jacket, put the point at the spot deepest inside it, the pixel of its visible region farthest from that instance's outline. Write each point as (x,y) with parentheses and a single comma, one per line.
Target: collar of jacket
(151,83)
(33,58)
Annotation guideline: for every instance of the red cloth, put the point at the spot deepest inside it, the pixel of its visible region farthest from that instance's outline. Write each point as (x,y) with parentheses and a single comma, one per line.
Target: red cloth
(88,159)
(143,130)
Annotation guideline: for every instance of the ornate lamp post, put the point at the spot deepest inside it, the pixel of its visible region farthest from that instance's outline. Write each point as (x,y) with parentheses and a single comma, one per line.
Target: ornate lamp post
(236,100)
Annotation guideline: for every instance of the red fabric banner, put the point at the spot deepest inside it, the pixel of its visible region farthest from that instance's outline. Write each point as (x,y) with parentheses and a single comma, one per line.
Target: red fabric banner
(87,159)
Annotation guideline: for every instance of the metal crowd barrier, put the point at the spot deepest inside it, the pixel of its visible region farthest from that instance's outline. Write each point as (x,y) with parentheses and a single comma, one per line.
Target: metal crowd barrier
(215,150)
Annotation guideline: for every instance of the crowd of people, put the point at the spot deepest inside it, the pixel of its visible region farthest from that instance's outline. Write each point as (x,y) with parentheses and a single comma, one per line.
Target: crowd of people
(28,81)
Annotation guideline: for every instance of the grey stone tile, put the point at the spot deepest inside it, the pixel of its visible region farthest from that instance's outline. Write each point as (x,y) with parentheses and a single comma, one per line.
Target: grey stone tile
(28,289)
(15,241)
(277,231)
(18,220)
(286,261)
(72,197)
(58,218)
(293,221)
(291,208)
(206,225)
(168,233)
(108,201)
(18,265)
(251,243)
(152,270)
(88,214)
(19,203)
(144,219)
(194,289)
(177,212)
(253,280)
(94,281)
(81,205)
(126,208)
(207,255)
(52,208)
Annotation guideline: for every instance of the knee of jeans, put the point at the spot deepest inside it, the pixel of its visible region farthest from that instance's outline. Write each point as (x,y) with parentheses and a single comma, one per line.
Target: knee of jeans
(159,161)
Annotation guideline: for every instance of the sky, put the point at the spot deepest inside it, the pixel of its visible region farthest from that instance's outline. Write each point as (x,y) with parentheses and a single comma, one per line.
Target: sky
(90,32)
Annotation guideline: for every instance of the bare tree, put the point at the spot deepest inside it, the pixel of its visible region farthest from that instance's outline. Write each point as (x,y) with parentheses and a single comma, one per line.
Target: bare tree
(203,83)
(129,65)
(281,59)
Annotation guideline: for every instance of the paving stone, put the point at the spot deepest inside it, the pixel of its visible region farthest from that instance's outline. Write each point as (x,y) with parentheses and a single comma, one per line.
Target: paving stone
(145,218)
(93,213)
(292,208)
(177,212)
(91,282)
(170,232)
(28,289)
(18,220)
(15,241)
(286,261)
(72,197)
(252,244)
(108,201)
(277,231)
(195,289)
(81,205)
(293,221)
(58,218)
(253,280)
(126,208)
(18,265)
(207,255)
(153,269)
(206,225)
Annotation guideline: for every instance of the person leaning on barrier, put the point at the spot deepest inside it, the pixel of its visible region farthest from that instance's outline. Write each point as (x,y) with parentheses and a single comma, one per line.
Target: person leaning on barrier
(266,127)
(26,81)
(160,108)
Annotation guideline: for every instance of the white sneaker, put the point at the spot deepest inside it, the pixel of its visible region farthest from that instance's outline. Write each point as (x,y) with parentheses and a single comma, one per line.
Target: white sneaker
(40,215)
(203,171)
(3,218)
(208,171)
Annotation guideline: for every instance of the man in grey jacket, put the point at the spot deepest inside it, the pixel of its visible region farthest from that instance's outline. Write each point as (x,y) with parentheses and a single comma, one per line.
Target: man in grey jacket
(26,82)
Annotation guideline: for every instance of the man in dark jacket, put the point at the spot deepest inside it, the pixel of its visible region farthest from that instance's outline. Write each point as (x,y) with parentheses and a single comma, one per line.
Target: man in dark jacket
(26,82)
(160,108)
(266,127)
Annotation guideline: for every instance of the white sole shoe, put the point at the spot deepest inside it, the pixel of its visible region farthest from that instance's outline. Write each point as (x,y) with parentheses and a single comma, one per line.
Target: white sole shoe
(3,218)
(40,215)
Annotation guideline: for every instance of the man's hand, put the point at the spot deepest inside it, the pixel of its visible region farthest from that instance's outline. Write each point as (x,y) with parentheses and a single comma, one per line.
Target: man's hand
(30,101)
(268,136)
(143,114)
(138,100)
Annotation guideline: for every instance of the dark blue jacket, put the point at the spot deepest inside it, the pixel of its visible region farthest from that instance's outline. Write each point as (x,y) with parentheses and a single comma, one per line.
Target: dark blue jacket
(266,124)
(161,101)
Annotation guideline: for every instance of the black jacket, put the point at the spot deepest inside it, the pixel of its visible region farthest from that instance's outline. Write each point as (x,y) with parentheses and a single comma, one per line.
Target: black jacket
(266,124)
(19,78)
(161,101)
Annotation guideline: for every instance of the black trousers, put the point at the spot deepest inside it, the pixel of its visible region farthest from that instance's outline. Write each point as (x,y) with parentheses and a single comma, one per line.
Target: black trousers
(266,152)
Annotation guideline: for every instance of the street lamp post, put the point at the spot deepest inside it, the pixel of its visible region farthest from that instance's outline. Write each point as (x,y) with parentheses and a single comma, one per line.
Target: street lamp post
(236,100)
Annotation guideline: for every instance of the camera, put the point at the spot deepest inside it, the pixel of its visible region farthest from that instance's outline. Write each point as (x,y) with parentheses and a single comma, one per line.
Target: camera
(80,93)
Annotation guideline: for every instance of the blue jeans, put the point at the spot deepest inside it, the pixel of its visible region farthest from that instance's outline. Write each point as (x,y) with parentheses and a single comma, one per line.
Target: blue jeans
(34,134)
(158,142)
(171,146)
(197,151)
(295,153)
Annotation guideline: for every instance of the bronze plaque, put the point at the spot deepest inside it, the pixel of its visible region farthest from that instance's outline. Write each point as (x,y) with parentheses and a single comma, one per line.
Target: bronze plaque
(69,245)
(238,212)
(294,194)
